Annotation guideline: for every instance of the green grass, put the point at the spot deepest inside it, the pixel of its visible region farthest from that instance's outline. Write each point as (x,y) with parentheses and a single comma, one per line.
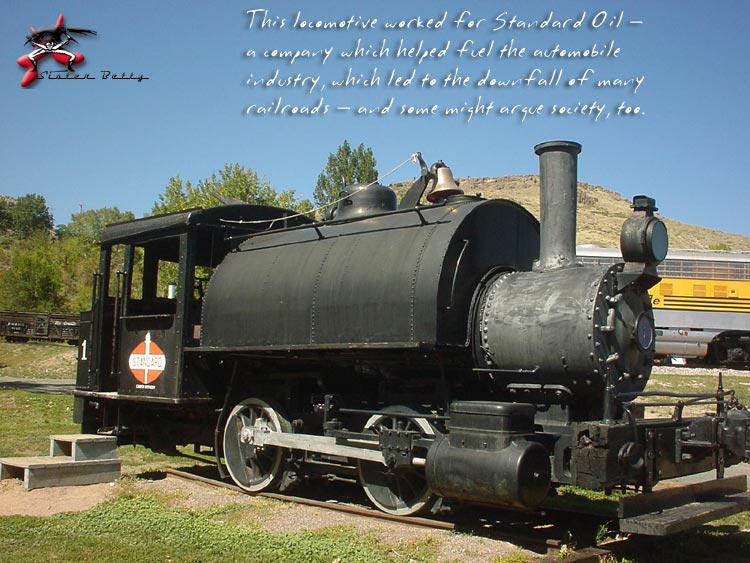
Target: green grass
(37,360)
(140,458)
(516,556)
(683,383)
(28,419)
(571,498)
(698,383)
(137,529)
(140,527)
(739,521)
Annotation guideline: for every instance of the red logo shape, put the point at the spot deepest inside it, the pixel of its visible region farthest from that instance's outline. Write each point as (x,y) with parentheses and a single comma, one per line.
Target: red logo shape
(147,361)
(50,41)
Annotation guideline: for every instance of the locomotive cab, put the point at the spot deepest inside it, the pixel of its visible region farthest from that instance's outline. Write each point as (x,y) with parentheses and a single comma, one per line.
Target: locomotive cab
(147,301)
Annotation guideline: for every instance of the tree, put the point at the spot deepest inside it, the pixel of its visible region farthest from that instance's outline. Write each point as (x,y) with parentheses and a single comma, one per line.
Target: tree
(88,225)
(32,282)
(5,207)
(78,259)
(29,214)
(78,254)
(344,168)
(233,181)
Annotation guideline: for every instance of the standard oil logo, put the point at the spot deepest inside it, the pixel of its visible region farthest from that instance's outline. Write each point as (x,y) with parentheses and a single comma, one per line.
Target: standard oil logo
(147,361)
(56,41)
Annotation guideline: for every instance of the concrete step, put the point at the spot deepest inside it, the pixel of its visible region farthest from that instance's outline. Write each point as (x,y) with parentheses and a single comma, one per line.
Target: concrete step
(59,471)
(74,459)
(83,447)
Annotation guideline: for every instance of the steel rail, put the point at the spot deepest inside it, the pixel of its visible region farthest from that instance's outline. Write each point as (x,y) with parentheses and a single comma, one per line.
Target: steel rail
(347,508)
(528,540)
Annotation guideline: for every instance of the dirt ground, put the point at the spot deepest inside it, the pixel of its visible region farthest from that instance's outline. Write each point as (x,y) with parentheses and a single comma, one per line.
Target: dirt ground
(14,499)
(276,516)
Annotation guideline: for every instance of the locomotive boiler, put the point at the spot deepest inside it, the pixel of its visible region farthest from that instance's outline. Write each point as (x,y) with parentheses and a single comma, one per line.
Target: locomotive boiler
(447,347)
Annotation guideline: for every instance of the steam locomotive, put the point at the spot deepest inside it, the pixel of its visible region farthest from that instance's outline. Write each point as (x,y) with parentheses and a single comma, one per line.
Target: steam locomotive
(447,347)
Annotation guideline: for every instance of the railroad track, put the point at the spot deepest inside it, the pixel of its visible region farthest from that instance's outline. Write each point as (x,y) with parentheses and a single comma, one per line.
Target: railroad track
(536,532)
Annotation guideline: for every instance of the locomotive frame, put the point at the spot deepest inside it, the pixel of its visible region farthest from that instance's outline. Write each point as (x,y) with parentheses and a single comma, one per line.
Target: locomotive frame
(452,349)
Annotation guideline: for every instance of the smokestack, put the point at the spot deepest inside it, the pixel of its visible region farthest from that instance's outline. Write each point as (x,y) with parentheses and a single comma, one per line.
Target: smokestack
(558,177)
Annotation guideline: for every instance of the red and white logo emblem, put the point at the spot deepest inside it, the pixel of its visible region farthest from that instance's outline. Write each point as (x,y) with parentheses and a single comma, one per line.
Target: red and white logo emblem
(147,361)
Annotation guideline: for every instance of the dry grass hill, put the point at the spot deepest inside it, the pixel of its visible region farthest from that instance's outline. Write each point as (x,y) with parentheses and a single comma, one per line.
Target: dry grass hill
(600,213)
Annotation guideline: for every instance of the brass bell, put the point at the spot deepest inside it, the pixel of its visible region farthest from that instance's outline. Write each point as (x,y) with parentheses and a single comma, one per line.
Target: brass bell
(445,185)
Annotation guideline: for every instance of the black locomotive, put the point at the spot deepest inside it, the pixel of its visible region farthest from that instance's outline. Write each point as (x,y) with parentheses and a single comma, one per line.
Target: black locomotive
(449,348)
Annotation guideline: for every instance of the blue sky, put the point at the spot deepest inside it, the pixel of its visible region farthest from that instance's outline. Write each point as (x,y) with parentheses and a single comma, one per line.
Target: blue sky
(103,142)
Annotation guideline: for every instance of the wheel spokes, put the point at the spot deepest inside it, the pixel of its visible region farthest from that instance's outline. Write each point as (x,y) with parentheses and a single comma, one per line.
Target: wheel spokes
(253,468)
(400,490)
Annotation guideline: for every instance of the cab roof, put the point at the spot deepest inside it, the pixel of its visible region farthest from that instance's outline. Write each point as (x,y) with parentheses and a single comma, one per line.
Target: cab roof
(235,219)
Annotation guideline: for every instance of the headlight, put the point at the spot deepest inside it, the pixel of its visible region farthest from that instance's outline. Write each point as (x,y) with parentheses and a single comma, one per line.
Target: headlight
(643,237)
(644,332)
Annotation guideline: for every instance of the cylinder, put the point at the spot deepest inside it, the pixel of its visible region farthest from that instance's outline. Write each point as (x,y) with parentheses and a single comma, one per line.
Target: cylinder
(517,476)
(558,177)
(487,457)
